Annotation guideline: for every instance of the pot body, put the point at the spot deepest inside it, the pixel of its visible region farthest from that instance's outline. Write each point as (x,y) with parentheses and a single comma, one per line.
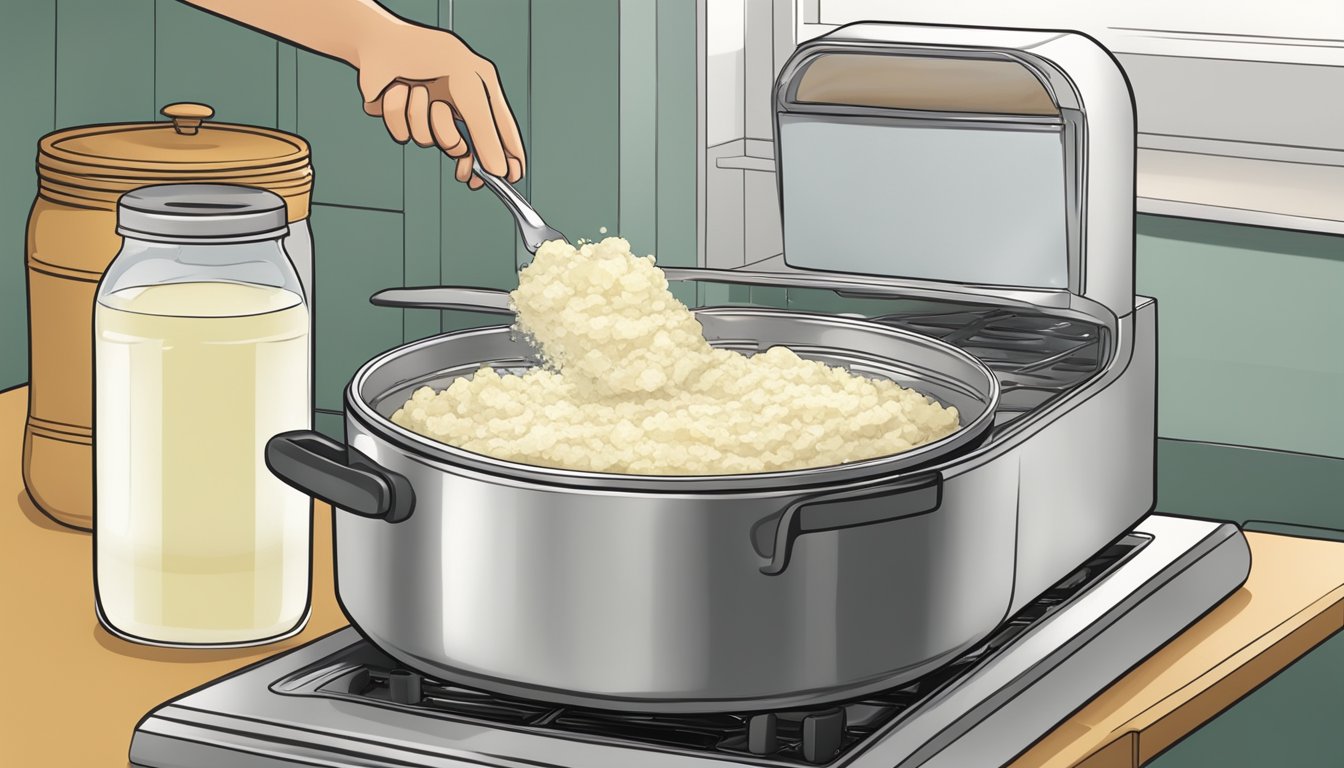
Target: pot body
(671,596)
(676,594)
(638,600)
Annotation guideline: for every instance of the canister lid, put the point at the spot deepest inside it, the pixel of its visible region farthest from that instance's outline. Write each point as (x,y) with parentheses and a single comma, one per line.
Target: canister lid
(95,165)
(201,213)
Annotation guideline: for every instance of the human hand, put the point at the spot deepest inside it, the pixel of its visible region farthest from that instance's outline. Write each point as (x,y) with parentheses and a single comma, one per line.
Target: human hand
(421,80)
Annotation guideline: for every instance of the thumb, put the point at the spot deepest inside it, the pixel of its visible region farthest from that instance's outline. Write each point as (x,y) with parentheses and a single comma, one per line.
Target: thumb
(372,85)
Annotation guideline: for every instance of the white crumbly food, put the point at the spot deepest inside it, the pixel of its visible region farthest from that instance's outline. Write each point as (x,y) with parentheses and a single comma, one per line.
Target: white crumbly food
(631,386)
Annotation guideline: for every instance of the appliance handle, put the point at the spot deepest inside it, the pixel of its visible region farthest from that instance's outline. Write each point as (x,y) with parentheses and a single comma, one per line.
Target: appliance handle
(872,504)
(343,477)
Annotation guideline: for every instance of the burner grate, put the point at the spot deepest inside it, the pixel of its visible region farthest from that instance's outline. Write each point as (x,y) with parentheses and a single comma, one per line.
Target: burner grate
(806,737)
(1037,357)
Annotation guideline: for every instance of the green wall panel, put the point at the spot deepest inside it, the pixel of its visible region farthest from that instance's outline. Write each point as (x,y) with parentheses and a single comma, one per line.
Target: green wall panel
(1248,324)
(330,423)
(203,58)
(1249,484)
(355,162)
(421,224)
(27,77)
(575,115)
(104,61)
(638,100)
(420,11)
(420,196)
(479,243)
(358,252)
(676,151)
(499,31)
(286,87)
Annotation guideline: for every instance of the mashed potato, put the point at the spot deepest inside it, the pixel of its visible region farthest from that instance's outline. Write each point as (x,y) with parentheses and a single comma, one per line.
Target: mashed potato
(631,386)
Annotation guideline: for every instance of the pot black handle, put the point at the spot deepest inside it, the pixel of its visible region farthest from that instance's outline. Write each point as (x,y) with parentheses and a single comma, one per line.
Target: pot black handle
(321,467)
(870,504)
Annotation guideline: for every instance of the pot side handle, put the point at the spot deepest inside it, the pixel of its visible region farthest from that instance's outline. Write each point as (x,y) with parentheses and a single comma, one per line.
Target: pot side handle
(872,504)
(321,467)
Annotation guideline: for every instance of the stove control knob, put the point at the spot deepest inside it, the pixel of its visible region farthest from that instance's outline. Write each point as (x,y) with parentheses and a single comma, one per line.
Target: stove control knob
(404,686)
(822,735)
(763,734)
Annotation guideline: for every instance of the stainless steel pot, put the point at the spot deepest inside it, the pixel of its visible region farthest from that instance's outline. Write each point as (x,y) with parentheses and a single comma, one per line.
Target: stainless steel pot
(663,593)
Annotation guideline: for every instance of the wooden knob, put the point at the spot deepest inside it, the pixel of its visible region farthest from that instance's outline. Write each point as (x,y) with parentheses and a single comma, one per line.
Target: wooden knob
(187,117)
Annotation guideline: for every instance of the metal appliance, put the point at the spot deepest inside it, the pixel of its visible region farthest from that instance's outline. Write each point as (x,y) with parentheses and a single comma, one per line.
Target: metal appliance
(994,212)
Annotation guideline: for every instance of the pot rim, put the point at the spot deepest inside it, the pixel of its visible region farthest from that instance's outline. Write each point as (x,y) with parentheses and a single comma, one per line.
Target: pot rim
(425,448)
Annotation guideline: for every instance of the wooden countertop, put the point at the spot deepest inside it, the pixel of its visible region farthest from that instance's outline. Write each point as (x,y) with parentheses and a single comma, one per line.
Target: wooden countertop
(75,692)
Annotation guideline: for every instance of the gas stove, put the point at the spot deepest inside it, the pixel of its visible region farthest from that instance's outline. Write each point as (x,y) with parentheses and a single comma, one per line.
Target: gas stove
(339,701)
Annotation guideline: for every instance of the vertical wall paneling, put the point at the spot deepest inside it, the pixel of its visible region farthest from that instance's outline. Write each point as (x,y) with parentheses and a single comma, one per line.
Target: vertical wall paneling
(478,238)
(356,162)
(676,150)
(422,226)
(420,204)
(27,76)
(575,114)
(638,99)
(286,87)
(104,61)
(330,423)
(501,30)
(200,57)
(360,250)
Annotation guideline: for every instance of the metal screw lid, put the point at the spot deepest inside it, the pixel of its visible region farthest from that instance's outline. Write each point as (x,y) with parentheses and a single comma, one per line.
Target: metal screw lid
(201,213)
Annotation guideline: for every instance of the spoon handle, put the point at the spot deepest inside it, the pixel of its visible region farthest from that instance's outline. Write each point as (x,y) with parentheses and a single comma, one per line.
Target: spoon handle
(530,224)
(445,297)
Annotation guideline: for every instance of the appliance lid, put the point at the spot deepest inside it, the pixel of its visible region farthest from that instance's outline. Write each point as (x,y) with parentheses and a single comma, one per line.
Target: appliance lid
(960,156)
(95,165)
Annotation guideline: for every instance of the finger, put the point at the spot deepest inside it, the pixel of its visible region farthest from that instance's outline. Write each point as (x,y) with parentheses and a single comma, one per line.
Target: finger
(463,170)
(515,170)
(509,135)
(417,114)
(475,183)
(394,112)
(445,130)
(474,106)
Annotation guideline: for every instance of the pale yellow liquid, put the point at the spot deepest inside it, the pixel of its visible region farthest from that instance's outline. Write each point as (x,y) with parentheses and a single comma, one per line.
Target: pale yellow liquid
(197,542)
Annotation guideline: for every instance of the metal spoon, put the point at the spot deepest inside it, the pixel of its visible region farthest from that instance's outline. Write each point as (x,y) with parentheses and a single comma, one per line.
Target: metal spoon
(534,230)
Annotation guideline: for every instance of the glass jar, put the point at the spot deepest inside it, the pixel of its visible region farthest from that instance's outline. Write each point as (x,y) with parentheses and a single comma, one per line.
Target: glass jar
(201,354)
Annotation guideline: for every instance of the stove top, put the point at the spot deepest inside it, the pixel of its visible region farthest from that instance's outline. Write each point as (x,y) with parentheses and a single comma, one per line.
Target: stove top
(339,701)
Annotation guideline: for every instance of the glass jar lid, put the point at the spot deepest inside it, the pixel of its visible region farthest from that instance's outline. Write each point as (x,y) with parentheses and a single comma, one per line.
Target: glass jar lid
(201,213)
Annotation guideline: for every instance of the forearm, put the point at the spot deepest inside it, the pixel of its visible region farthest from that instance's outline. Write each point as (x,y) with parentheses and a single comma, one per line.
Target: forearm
(330,27)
